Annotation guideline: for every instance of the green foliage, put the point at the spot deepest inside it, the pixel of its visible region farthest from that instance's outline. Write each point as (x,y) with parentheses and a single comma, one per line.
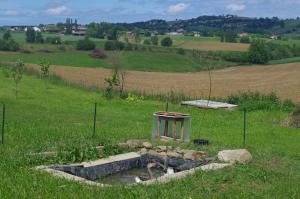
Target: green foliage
(30,35)
(131,97)
(85,44)
(45,65)
(114,45)
(245,40)
(154,40)
(258,52)
(79,154)
(239,57)
(228,36)
(181,51)
(111,82)
(17,75)
(167,41)
(256,101)
(39,38)
(147,42)
(9,45)
(6,35)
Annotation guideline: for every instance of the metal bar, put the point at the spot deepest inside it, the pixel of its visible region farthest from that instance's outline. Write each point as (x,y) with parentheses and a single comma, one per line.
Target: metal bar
(245,118)
(3,123)
(95,117)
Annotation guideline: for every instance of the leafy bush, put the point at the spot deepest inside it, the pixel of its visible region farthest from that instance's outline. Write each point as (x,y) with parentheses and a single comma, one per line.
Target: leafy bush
(245,40)
(257,101)
(181,51)
(167,41)
(154,40)
(9,45)
(134,98)
(258,52)
(241,57)
(85,44)
(114,45)
(147,42)
(6,35)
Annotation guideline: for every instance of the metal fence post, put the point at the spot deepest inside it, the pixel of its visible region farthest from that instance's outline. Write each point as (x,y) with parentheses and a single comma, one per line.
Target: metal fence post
(95,117)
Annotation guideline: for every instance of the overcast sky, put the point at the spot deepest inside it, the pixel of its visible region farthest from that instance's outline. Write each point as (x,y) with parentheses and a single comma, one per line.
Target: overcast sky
(20,12)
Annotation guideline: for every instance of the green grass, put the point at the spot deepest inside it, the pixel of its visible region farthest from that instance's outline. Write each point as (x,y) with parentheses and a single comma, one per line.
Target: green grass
(285,61)
(131,60)
(51,119)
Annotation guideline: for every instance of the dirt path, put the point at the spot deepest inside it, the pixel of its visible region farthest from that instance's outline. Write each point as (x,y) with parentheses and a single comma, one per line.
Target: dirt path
(284,79)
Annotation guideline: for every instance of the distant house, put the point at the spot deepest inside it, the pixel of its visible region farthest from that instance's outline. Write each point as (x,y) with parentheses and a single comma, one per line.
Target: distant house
(37,29)
(243,34)
(196,34)
(177,32)
(274,37)
(80,30)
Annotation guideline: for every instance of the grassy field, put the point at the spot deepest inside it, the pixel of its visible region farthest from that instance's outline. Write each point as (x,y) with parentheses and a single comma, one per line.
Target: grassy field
(60,118)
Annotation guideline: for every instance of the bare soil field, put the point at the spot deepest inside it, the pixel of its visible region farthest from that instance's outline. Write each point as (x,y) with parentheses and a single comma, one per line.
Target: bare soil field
(284,79)
(212,46)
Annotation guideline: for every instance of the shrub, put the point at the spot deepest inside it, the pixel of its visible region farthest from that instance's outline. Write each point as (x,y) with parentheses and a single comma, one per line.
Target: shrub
(241,57)
(30,35)
(9,45)
(147,42)
(98,54)
(245,40)
(39,38)
(6,35)
(258,52)
(181,51)
(85,44)
(167,41)
(114,45)
(154,40)
(129,47)
(257,101)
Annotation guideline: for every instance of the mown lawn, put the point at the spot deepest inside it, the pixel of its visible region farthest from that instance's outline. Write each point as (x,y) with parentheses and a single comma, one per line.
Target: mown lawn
(60,118)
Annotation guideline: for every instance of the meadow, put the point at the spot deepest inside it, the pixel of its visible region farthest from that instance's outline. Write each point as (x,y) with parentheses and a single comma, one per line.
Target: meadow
(58,117)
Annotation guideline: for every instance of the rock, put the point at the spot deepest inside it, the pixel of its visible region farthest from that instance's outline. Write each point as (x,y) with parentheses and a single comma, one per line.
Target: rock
(162,154)
(135,143)
(147,145)
(173,154)
(169,147)
(199,155)
(123,145)
(161,148)
(189,154)
(45,154)
(241,156)
(143,151)
(152,152)
(214,166)
(179,150)
(100,149)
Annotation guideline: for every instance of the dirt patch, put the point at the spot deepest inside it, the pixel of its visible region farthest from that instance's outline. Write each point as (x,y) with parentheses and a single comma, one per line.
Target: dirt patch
(283,79)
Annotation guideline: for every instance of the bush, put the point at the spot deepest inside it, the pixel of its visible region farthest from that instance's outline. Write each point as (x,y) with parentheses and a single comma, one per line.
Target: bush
(154,40)
(245,40)
(147,42)
(258,52)
(240,57)
(85,44)
(181,51)
(129,47)
(167,41)
(9,45)
(114,45)
(257,101)
(98,54)
(6,35)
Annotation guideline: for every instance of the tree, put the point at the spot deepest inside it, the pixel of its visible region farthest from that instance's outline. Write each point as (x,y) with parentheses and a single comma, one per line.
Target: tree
(154,40)
(85,44)
(30,35)
(45,65)
(147,42)
(245,40)
(258,52)
(112,34)
(39,38)
(17,74)
(7,35)
(167,41)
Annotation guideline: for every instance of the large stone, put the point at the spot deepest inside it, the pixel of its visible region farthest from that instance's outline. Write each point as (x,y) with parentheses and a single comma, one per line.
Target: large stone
(241,156)
(143,151)
(135,143)
(147,145)
(161,148)
(189,154)
(153,152)
(173,154)
(123,145)
(199,155)
(100,149)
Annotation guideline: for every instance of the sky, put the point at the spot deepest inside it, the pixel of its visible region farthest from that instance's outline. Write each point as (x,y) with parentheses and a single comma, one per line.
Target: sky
(33,12)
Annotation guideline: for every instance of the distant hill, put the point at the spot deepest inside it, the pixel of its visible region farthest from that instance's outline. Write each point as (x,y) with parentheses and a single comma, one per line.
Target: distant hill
(211,24)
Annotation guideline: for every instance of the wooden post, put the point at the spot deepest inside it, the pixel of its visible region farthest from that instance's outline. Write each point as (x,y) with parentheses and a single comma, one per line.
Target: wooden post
(174,129)
(182,130)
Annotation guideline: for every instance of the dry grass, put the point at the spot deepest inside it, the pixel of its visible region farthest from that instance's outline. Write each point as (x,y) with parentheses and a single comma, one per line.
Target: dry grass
(213,46)
(284,79)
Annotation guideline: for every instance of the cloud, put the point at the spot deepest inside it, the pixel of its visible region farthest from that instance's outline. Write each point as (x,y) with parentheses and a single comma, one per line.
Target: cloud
(236,7)
(178,8)
(11,13)
(57,10)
